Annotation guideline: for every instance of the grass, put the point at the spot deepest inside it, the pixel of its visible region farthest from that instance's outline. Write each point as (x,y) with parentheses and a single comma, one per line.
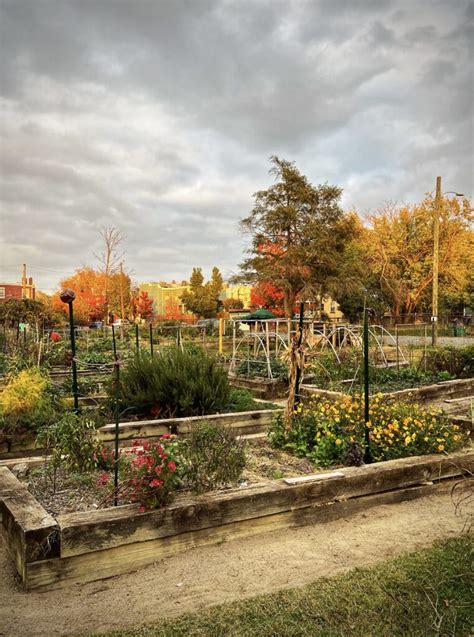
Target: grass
(428,592)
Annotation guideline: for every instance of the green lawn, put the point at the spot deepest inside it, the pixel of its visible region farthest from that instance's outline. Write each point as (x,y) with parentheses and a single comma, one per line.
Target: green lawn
(429,592)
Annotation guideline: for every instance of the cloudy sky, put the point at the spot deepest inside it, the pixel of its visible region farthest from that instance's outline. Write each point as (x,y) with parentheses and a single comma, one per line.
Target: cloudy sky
(158,117)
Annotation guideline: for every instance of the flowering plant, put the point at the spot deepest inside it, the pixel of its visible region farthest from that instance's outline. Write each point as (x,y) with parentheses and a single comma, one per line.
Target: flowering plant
(325,431)
(151,475)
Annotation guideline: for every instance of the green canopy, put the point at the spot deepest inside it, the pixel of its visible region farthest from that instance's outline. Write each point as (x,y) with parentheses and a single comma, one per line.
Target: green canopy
(259,315)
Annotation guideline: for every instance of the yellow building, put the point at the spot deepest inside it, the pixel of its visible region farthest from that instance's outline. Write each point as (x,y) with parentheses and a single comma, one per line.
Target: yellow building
(241,292)
(166,297)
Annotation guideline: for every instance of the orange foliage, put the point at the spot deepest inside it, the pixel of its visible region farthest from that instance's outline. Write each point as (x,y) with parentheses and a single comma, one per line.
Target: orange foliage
(266,295)
(89,286)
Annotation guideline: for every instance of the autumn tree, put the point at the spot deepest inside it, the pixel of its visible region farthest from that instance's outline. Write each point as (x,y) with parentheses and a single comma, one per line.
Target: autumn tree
(120,287)
(399,253)
(202,298)
(143,306)
(266,295)
(89,286)
(298,236)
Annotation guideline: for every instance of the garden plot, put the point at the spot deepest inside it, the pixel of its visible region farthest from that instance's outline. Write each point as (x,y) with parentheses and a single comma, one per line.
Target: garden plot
(79,547)
(71,492)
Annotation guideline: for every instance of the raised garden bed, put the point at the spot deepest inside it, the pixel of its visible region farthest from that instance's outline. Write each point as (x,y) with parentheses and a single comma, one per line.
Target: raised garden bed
(263,388)
(444,390)
(242,423)
(50,552)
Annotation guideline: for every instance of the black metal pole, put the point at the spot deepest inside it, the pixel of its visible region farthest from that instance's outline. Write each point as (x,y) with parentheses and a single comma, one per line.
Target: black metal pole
(367,454)
(72,333)
(116,415)
(137,343)
(299,371)
(151,340)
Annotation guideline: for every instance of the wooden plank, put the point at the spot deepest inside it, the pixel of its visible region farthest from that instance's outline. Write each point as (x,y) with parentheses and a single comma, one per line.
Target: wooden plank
(55,573)
(30,461)
(241,423)
(30,532)
(314,478)
(97,530)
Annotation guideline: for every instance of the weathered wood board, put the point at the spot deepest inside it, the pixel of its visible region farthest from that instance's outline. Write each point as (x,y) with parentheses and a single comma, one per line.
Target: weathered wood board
(55,573)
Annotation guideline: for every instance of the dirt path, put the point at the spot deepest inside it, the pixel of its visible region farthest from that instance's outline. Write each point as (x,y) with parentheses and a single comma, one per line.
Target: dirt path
(212,575)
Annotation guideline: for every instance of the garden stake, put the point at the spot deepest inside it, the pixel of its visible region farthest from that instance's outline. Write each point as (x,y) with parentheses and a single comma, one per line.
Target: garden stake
(151,340)
(68,296)
(116,414)
(299,371)
(367,454)
(398,353)
(137,345)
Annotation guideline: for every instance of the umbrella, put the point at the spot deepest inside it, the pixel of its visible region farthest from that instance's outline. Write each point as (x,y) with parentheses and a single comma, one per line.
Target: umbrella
(259,315)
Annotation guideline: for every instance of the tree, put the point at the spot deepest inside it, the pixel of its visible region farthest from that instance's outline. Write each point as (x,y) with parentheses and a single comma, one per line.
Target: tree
(266,295)
(233,304)
(109,260)
(143,306)
(399,253)
(89,286)
(298,236)
(120,285)
(203,298)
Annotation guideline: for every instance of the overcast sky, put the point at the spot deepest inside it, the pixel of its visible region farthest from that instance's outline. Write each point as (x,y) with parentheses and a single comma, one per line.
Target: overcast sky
(158,117)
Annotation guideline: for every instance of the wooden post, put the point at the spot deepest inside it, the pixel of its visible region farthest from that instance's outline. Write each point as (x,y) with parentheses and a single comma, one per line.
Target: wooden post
(221,334)
(122,304)
(267,347)
(398,353)
(434,304)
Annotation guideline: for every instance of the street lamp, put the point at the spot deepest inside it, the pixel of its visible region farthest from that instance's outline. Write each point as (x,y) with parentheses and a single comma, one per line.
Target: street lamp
(67,296)
(434,304)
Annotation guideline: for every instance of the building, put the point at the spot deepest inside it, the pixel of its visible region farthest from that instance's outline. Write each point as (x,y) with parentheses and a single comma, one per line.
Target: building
(240,292)
(24,290)
(166,298)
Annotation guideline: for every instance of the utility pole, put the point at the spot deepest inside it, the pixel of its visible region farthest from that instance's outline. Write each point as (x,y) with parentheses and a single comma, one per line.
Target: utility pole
(434,304)
(24,281)
(122,304)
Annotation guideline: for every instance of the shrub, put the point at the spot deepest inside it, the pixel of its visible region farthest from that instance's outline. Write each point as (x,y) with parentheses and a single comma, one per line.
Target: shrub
(458,361)
(387,379)
(212,457)
(258,368)
(151,475)
(72,441)
(27,402)
(243,400)
(326,432)
(175,383)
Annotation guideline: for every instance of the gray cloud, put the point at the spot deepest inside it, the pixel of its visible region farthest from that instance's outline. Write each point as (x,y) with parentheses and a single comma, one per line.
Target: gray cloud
(159,116)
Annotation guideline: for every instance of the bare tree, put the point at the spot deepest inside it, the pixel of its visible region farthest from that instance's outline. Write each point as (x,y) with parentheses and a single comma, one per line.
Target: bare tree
(110,258)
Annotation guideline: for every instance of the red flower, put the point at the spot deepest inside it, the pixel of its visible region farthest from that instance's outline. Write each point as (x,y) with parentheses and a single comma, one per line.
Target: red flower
(141,509)
(166,436)
(172,466)
(55,337)
(103,478)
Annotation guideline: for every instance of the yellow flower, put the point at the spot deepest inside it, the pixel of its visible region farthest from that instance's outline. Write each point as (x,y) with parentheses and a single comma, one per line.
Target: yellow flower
(446,435)
(440,447)
(407,440)
(338,441)
(426,439)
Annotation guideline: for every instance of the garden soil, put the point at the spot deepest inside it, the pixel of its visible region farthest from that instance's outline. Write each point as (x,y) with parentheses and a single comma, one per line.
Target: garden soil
(231,571)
